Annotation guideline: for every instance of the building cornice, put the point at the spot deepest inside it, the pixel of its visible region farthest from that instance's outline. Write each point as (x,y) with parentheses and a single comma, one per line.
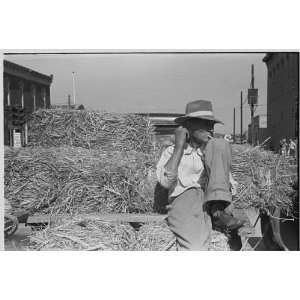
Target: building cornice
(14,69)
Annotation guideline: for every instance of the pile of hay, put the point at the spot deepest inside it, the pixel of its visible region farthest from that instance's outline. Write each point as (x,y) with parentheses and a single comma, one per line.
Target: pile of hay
(90,129)
(84,235)
(219,242)
(265,179)
(74,179)
(95,235)
(81,161)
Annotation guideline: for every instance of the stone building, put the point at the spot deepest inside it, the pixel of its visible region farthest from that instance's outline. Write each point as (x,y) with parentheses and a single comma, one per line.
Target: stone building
(283,96)
(26,88)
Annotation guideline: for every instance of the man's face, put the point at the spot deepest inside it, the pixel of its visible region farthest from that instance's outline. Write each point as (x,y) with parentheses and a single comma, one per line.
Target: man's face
(200,130)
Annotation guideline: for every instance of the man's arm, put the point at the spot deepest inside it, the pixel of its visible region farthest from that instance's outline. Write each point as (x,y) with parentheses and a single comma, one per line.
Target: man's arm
(181,134)
(167,167)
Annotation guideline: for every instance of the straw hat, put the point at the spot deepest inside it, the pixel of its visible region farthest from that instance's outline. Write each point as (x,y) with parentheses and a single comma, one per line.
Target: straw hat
(199,109)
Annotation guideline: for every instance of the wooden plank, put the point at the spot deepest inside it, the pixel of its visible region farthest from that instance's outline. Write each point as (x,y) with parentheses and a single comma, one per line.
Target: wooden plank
(254,218)
(253,226)
(138,218)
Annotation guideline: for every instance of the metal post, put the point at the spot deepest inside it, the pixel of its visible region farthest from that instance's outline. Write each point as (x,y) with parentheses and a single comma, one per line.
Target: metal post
(234,125)
(74,91)
(252,124)
(33,92)
(69,101)
(241,138)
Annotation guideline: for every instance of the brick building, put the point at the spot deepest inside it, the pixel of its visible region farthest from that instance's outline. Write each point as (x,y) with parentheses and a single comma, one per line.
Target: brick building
(283,96)
(23,87)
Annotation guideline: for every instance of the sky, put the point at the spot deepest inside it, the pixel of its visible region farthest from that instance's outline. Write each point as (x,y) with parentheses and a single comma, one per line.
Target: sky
(155,82)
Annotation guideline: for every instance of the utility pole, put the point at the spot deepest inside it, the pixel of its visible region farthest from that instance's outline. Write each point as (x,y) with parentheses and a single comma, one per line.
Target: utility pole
(252,106)
(252,101)
(234,124)
(252,76)
(74,91)
(241,138)
(69,101)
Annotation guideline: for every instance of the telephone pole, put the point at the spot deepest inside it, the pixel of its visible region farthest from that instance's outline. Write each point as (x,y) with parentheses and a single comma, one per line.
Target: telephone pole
(241,138)
(252,101)
(234,124)
(74,91)
(69,101)
(252,106)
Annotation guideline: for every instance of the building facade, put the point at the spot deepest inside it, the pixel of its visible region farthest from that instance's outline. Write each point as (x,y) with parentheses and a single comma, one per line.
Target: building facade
(260,130)
(283,96)
(23,88)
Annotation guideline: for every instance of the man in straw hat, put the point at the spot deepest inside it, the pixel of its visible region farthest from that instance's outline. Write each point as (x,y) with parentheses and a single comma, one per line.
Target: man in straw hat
(196,171)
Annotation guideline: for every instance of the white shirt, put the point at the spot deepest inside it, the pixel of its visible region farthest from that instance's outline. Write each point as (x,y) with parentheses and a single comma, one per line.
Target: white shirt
(189,171)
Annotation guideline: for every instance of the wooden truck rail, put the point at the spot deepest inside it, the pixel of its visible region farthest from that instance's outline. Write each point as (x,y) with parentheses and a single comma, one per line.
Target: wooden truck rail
(262,229)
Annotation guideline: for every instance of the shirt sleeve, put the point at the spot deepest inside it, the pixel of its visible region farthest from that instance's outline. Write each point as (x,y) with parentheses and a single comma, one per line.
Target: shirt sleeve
(166,178)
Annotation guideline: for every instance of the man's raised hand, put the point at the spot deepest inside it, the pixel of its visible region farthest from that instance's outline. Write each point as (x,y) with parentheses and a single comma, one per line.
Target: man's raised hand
(181,137)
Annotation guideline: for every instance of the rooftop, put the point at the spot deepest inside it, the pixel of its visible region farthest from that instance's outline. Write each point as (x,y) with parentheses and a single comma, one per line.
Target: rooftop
(26,73)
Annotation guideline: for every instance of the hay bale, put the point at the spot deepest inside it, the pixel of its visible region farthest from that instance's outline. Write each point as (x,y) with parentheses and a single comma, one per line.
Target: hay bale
(265,179)
(91,130)
(92,235)
(81,235)
(73,179)
(158,237)
(219,242)
(155,237)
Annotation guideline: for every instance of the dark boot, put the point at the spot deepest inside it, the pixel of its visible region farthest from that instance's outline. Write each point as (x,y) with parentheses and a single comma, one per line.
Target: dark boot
(221,219)
(226,221)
